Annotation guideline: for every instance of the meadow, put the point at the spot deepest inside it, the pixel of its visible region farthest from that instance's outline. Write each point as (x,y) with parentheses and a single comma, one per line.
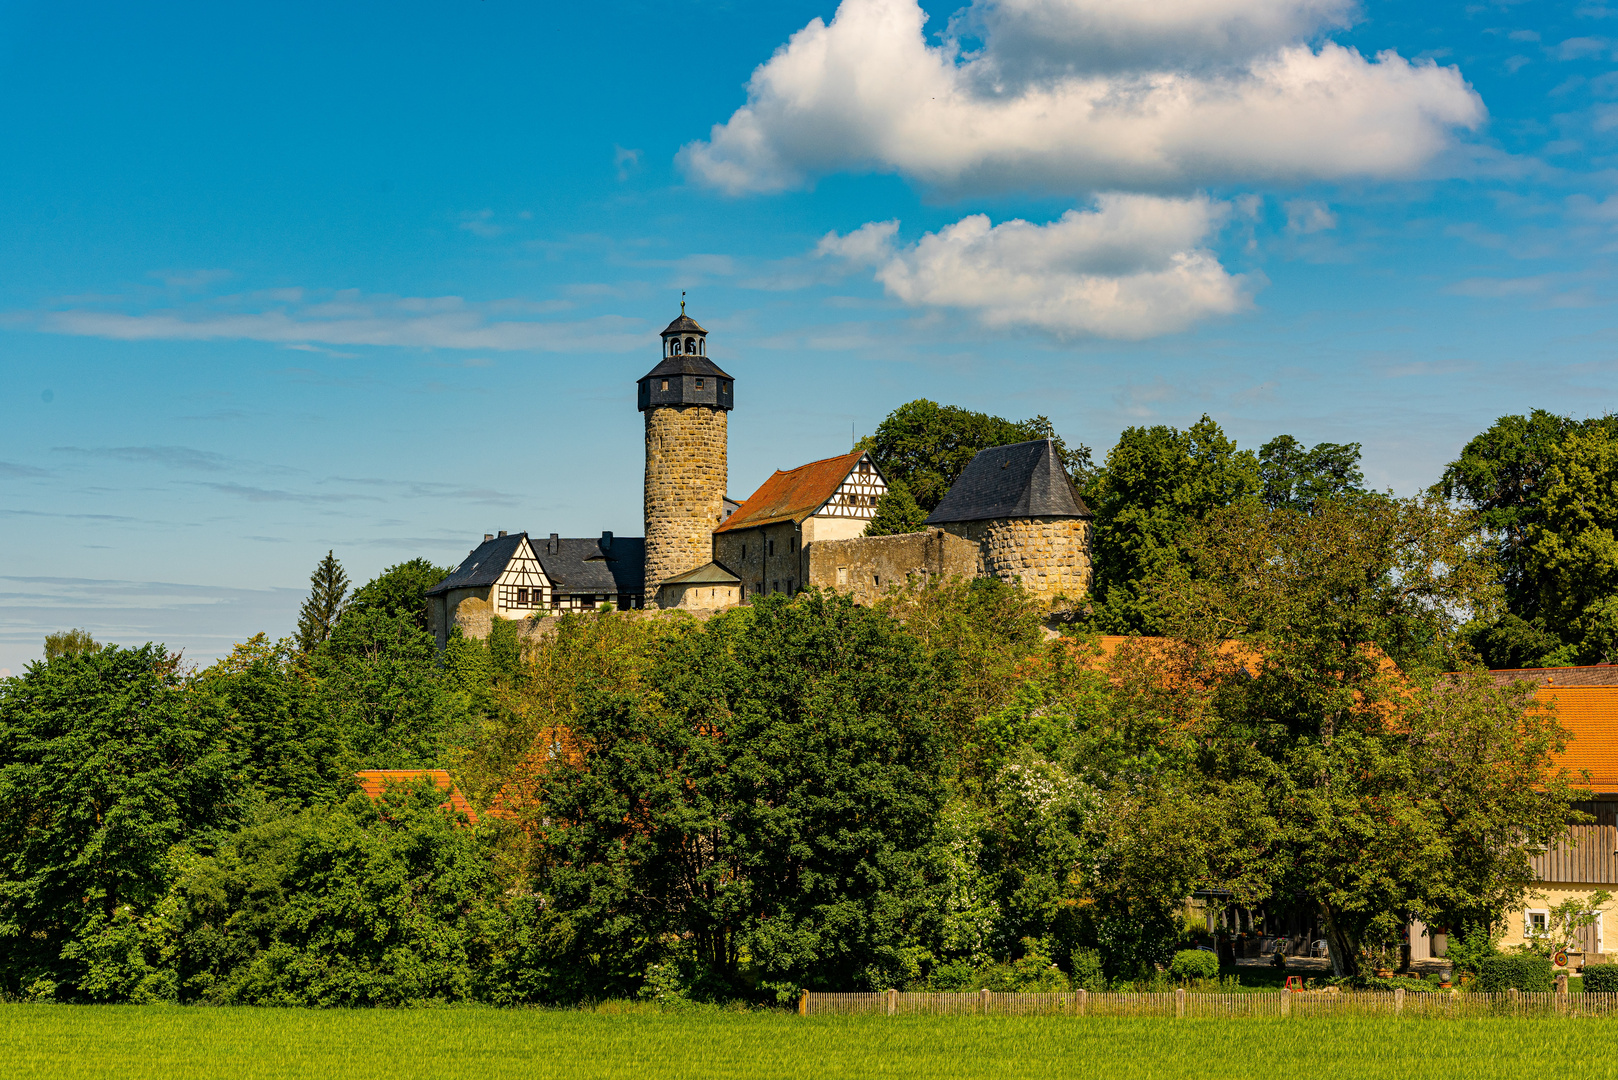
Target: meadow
(65,1042)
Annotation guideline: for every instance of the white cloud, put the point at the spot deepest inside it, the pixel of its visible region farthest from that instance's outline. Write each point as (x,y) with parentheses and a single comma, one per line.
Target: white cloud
(1306,216)
(1132,268)
(349,318)
(868,92)
(1030,39)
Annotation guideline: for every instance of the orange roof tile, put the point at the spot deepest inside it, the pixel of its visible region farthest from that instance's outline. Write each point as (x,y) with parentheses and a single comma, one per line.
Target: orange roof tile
(1590,714)
(1585,675)
(793,495)
(373,781)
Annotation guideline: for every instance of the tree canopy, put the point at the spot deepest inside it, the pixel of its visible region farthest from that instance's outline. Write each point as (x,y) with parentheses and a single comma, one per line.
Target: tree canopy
(925,446)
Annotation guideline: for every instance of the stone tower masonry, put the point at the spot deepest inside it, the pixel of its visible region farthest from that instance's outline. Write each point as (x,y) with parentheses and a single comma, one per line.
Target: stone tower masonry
(686,399)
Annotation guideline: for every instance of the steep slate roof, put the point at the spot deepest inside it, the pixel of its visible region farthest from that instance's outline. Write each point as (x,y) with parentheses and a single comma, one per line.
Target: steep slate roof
(374,781)
(589,565)
(707,574)
(793,495)
(578,566)
(483,566)
(1021,480)
(683,324)
(685,364)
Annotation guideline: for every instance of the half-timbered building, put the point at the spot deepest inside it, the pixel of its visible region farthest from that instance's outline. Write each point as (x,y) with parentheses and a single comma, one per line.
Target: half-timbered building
(763,542)
(515,577)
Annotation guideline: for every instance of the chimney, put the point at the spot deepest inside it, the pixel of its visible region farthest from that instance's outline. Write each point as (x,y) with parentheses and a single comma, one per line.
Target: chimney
(502,532)
(487,537)
(606,541)
(555,546)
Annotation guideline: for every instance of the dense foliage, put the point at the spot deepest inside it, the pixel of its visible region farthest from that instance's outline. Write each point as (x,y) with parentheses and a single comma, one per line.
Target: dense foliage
(937,791)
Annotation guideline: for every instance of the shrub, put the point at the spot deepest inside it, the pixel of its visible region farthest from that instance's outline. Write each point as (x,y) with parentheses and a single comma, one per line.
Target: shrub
(1087,973)
(1194,964)
(1521,972)
(1601,978)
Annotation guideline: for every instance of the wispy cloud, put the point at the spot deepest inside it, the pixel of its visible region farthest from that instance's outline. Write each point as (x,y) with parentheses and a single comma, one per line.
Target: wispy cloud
(273,495)
(348,317)
(14,471)
(173,457)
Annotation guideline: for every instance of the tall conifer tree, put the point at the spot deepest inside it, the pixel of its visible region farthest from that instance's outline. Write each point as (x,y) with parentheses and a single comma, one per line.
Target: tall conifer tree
(328,587)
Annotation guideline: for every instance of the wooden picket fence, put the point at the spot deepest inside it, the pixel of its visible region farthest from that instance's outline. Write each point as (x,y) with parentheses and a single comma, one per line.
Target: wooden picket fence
(1179,1004)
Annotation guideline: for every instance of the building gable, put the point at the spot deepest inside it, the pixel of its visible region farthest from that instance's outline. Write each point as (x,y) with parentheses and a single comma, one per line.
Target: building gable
(795,494)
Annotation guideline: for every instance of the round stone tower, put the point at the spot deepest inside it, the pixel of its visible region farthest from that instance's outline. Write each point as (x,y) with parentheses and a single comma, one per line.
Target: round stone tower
(685,398)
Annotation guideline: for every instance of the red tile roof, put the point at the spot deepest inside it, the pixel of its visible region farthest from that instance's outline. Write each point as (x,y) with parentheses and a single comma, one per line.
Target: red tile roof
(1588,675)
(373,781)
(793,495)
(1590,714)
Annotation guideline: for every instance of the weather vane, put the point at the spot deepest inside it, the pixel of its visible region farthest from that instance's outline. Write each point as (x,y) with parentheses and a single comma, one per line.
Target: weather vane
(682,301)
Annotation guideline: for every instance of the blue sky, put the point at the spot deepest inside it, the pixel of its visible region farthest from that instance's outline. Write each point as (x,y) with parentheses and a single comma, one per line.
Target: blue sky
(379,278)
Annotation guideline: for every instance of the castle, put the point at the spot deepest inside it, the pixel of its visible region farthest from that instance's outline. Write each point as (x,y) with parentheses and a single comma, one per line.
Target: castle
(1012,514)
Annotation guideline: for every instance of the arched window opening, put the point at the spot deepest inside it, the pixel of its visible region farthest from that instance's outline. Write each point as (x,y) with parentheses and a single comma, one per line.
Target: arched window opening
(674,346)
(691,345)
(702,347)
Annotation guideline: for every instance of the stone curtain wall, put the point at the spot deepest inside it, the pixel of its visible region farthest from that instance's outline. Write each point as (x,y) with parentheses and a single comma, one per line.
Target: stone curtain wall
(870,565)
(1050,556)
(685,488)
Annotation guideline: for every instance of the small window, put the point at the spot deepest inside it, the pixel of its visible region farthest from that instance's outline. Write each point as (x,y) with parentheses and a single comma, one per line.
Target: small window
(769,547)
(789,587)
(842,575)
(744,551)
(665,384)
(1538,922)
(699,384)
(876,579)
(775,586)
(522,597)
(588,602)
(865,466)
(792,544)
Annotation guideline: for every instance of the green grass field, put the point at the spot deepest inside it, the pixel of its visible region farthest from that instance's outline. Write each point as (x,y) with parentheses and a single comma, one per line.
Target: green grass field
(135,1042)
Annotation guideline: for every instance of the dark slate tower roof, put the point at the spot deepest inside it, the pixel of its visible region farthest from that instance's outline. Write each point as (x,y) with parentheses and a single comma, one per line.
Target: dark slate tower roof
(1017,481)
(685,375)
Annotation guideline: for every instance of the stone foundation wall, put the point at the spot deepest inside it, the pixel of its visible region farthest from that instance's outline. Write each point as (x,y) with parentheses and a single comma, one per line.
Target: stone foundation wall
(686,473)
(866,567)
(1050,556)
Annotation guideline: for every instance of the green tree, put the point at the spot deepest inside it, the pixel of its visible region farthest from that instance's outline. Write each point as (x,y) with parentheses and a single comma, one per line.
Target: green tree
(1393,793)
(265,703)
(772,802)
(925,446)
(1157,483)
(400,590)
(382,694)
(1296,477)
(1573,550)
(328,586)
(1502,475)
(350,904)
(69,643)
(104,766)
(896,512)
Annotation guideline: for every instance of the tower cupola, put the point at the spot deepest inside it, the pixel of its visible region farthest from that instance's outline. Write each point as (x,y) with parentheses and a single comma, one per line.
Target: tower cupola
(685,376)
